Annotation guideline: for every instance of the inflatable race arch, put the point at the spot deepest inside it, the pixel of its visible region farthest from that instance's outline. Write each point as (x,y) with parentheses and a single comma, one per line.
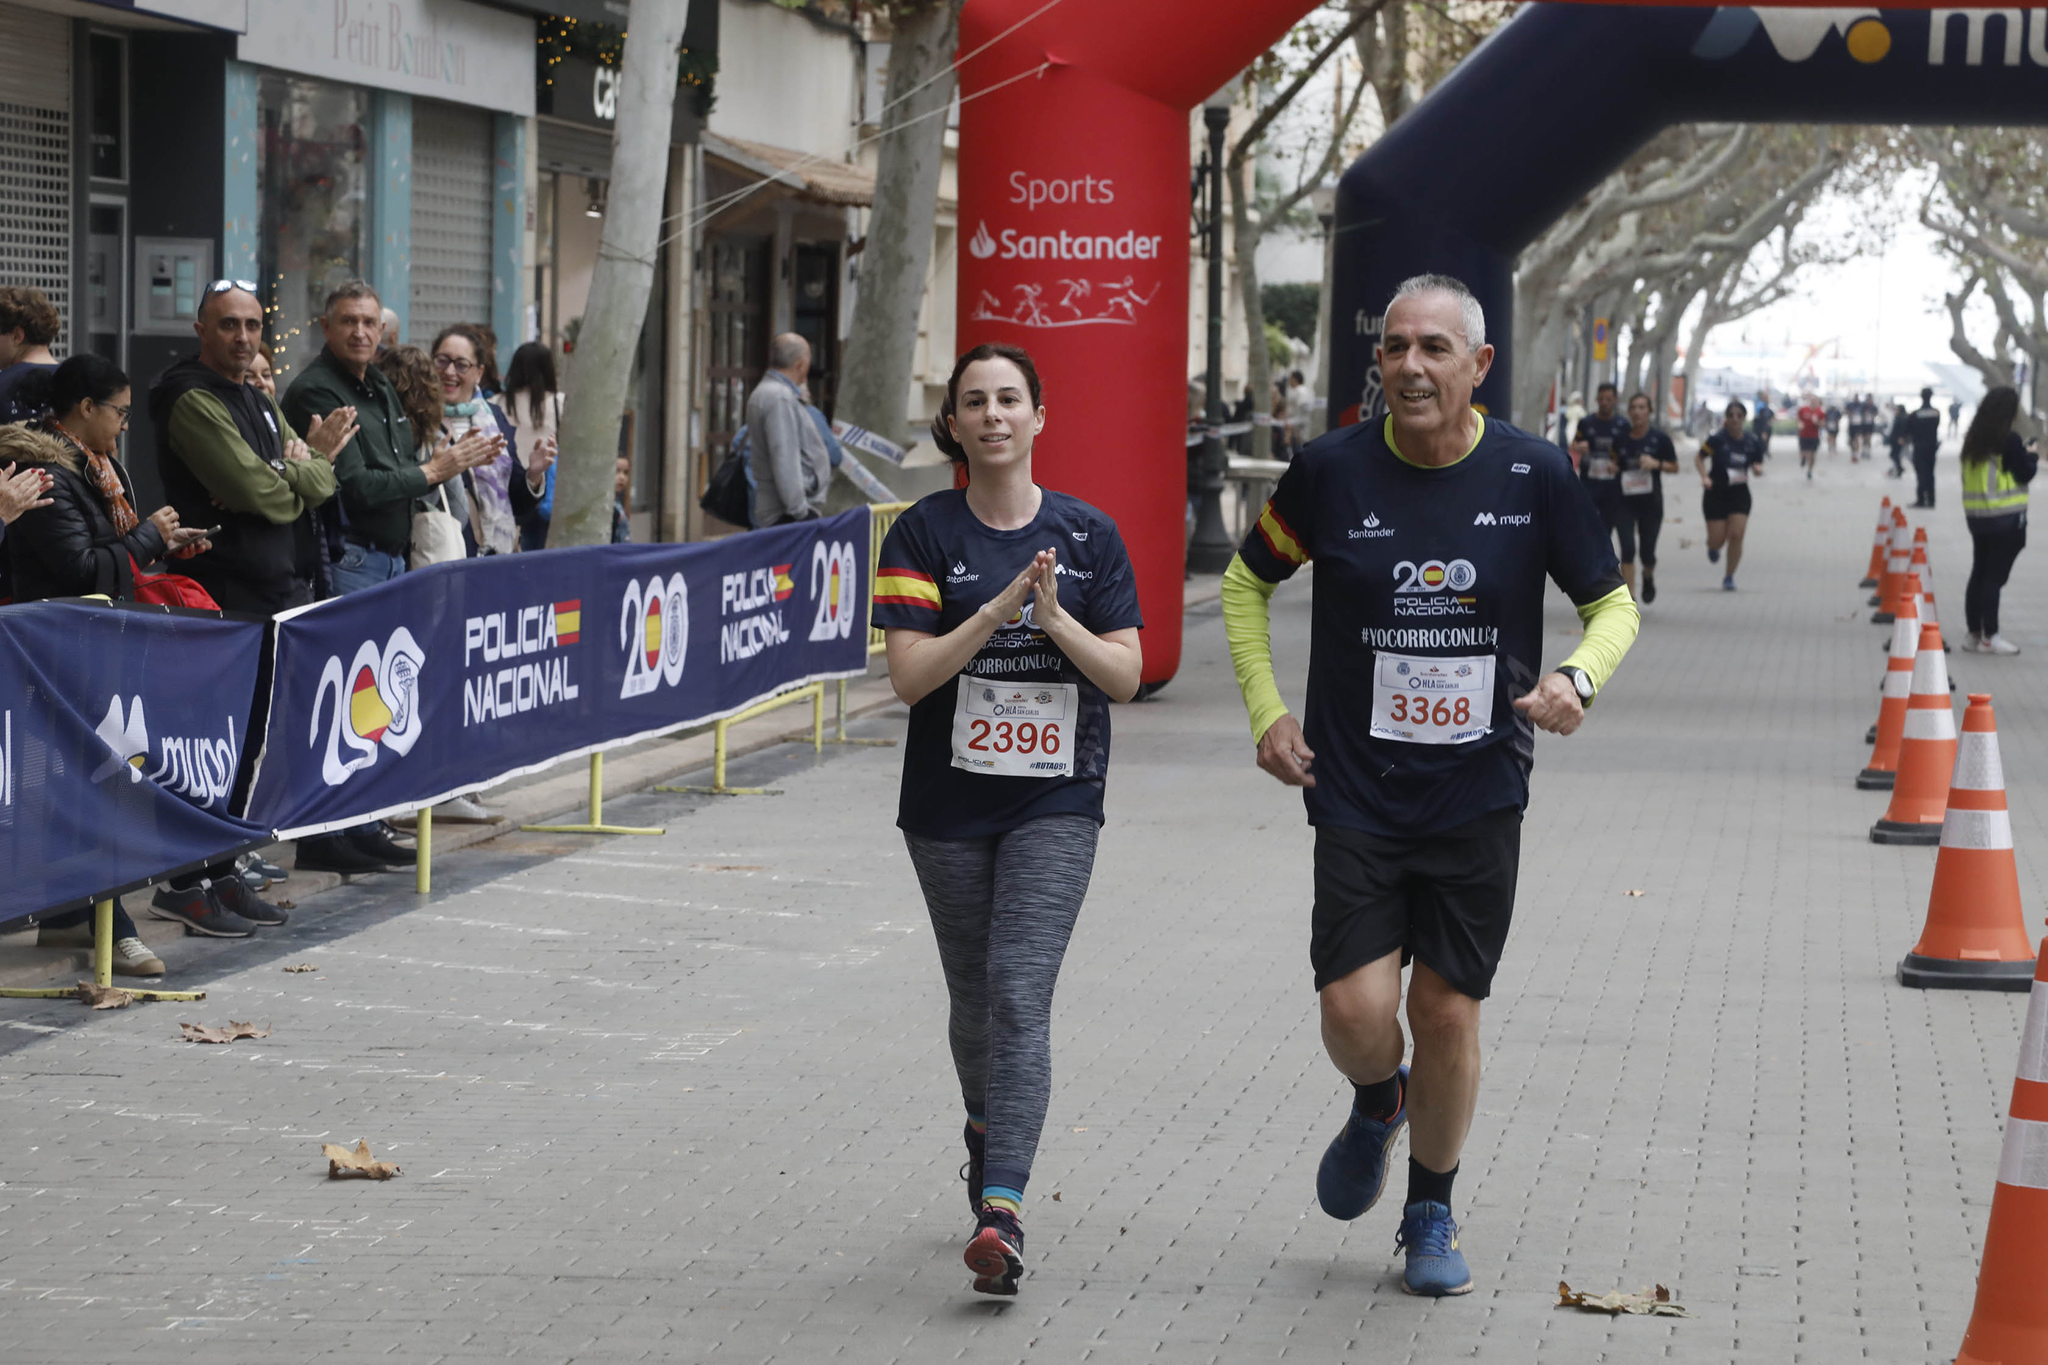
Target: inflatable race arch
(1074,187)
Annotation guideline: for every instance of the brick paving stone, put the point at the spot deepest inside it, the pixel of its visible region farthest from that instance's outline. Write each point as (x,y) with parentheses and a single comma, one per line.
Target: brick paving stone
(687,1098)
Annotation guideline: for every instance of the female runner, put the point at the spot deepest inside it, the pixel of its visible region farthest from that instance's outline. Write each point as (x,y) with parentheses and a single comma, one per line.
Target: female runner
(1012,621)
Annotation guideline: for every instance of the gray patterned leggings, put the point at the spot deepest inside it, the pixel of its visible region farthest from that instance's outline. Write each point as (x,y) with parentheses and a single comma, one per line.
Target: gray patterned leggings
(1002,910)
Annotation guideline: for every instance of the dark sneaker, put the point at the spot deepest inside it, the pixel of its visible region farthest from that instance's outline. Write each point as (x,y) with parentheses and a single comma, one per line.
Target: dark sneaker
(996,1255)
(256,862)
(375,840)
(234,895)
(336,853)
(1649,588)
(200,912)
(1353,1175)
(970,1170)
(252,877)
(1435,1265)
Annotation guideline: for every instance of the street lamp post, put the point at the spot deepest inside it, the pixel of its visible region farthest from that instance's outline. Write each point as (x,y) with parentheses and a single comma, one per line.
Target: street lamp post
(1211,548)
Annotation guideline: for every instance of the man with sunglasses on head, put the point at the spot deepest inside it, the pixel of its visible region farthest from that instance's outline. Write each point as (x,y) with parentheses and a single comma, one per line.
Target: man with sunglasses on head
(229,460)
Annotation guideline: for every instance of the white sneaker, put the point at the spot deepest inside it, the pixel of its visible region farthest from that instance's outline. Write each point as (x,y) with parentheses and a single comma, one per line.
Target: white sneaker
(1997,644)
(464,808)
(132,957)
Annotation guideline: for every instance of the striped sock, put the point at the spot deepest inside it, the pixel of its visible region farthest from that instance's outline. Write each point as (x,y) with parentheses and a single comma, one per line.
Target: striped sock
(1003,1197)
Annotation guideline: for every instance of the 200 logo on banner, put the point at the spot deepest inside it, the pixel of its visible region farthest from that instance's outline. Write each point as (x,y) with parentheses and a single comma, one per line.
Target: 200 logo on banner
(835,584)
(654,630)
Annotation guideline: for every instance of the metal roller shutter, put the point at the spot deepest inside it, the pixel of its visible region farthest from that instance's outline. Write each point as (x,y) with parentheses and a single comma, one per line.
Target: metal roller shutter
(451,219)
(35,156)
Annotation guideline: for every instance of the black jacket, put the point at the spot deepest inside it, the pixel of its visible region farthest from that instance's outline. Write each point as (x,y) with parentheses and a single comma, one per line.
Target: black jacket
(70,548)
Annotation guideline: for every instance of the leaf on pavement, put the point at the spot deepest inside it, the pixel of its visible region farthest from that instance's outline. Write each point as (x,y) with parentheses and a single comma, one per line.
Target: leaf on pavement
(1635,891)
(1649,1302)
(302,967)
(343,1164)
(104,997)
(200,1033)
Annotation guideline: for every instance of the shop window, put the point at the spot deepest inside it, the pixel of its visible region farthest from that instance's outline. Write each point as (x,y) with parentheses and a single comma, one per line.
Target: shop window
(313,174)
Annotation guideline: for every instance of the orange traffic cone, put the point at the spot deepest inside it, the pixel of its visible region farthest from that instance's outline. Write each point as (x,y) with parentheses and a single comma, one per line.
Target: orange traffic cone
(1897,690)
(2009,1325)
(1975,937)
(1918,564)
(1897,564)
(1879,544)
(1927,752)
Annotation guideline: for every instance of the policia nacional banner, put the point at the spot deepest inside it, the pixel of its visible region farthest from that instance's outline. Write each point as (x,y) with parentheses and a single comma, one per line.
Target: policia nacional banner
(454,677)
(121,732)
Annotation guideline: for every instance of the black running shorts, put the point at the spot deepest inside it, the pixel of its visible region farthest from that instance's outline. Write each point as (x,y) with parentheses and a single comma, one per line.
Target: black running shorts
(1719,504)
(1443,899)
(1808,443)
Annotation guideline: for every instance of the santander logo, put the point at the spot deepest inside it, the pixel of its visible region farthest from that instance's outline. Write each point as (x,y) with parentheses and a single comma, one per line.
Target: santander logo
(1098,273)
(981,244)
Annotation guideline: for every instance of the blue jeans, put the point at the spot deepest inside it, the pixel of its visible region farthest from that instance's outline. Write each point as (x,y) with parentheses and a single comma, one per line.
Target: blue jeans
(362,567)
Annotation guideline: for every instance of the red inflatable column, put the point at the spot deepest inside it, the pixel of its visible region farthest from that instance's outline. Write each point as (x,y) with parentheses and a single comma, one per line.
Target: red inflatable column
(1074,245)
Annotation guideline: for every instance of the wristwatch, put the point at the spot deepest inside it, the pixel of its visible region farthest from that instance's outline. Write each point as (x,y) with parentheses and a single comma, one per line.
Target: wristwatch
(1582,684)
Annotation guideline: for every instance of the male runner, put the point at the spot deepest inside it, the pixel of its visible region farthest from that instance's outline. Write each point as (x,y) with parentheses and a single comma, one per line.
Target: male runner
(1433,530)
(1810,416)
(1594,455)
(1834,424)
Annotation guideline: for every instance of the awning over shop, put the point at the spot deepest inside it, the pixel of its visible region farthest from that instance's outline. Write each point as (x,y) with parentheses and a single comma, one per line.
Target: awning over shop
(804,175)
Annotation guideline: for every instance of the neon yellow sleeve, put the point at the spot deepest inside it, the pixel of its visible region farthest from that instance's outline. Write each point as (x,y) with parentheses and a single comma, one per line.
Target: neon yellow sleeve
(1247,624)
(1611,624)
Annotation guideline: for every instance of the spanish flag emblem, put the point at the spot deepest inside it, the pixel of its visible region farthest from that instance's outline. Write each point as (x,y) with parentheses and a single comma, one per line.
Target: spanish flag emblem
(1280,537)
(568,621)
(906,588)
(783,586)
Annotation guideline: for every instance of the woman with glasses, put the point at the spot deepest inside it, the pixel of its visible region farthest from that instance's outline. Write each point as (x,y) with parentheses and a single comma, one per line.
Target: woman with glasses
(500,496)
(89,540)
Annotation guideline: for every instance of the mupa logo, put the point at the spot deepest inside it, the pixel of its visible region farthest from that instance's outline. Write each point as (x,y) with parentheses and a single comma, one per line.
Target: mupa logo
(376,703)
(201,767)
(1795,34)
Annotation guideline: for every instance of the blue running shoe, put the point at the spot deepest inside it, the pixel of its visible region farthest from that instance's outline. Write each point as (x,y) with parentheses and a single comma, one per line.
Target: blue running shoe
(1354,1170)
(996,1255)
(1728,582)
(1435,1265)
(1713,555)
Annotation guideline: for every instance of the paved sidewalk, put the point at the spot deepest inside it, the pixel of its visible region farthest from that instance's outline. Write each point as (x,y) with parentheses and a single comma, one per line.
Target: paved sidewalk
(687,1098)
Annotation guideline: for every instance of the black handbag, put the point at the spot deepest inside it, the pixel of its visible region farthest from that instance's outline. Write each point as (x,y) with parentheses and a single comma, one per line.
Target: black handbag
(728,496)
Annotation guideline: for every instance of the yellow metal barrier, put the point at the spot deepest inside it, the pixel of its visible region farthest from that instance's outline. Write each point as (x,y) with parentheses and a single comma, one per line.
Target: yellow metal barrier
(815,692)
(596,824)
(102,967)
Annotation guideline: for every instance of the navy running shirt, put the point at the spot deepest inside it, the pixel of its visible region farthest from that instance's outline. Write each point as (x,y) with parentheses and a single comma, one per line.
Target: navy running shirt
(1725,452)
(939,563)
(1414,563)
(1601,435)
(1630,449)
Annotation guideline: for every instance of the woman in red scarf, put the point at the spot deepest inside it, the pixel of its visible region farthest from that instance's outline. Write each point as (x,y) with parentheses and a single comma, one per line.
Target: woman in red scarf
(89,540)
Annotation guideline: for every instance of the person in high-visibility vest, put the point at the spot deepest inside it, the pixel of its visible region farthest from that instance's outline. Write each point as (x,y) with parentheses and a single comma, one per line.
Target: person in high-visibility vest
(1997,467)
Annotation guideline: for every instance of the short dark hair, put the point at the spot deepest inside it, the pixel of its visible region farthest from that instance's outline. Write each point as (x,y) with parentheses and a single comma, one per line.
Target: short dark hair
(1604,386)
(1926,394)
(353,289)
(1735,406)
(31,311)
(942,431)
(1640,394)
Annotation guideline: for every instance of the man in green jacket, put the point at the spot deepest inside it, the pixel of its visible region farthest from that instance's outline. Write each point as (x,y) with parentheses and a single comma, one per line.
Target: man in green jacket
(379,475)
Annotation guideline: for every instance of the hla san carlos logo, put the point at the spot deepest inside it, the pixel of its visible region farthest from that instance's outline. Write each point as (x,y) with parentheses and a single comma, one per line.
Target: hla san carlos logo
(376,703)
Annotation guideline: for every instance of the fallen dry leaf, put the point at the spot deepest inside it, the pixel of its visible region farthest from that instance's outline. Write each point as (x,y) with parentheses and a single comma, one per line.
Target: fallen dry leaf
(302,967)
(1055,1196)
(1684,543)
(200,1033)
(342,1164)
(1651,1302)
(104,997)
(287,905)
(1635,891)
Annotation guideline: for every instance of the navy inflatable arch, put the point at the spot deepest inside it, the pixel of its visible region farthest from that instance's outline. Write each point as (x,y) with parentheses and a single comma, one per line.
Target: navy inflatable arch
(1563,94)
